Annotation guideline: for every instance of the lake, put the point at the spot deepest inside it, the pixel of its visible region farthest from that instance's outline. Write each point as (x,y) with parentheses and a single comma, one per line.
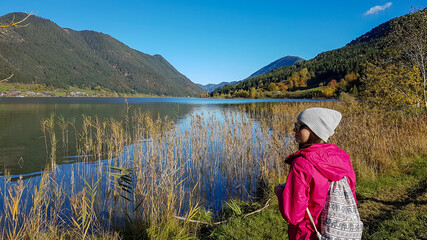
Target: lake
(213,145)
(23,149)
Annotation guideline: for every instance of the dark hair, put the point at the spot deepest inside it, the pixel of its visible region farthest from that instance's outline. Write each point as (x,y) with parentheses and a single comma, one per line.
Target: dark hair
(312,139)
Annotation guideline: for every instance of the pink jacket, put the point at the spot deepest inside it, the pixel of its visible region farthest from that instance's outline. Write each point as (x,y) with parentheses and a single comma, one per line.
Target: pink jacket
(307,185)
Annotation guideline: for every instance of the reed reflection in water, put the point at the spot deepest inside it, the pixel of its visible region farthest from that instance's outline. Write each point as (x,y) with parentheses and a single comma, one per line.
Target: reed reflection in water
(141,169)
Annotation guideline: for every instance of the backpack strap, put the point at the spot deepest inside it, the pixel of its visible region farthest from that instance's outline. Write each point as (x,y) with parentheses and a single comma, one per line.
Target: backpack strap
(314,225)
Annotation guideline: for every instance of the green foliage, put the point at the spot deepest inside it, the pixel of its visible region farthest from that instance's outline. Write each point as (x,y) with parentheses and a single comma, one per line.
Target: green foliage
(203,215)
(265,225)
(354,91)
(169,229)
(234,208)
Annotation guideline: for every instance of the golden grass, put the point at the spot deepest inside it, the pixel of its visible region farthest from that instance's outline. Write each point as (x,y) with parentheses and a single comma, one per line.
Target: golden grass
(378,141)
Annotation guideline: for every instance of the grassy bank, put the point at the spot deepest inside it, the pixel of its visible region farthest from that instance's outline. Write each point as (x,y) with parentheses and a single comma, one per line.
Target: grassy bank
(39,90)
(393,206)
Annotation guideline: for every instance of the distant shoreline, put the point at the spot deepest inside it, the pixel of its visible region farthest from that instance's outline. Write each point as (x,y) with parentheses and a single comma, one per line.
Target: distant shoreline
(143,100)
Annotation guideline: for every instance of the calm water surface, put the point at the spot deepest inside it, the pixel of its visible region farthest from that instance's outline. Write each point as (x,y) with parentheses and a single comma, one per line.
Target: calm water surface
(22,146)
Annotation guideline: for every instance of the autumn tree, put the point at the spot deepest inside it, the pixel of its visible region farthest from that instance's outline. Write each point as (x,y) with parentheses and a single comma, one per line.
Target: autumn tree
(348,82)
(241,94)
(293,80)
(410,35)
(393,86)
(343,85)
(304,75)
(204,95)
(252,92)
(333,83)
(272,87)
(328,91)
(299,79)
(282,87)
(350,77)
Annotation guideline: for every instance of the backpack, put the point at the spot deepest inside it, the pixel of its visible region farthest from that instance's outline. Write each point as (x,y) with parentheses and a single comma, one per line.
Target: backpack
(339,218)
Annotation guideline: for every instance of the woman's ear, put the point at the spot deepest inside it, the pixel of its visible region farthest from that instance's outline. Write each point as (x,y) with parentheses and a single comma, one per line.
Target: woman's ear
(313,138)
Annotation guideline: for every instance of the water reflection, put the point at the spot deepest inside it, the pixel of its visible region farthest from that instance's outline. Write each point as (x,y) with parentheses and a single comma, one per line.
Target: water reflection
(23,148)
(215,149)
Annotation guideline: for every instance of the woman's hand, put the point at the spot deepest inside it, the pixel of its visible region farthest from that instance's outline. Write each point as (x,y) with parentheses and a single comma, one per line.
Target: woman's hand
(278,188)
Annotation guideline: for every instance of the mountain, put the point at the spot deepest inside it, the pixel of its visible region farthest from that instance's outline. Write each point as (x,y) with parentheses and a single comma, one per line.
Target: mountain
(45,53)
(284,61)
(212,86)
(346,65)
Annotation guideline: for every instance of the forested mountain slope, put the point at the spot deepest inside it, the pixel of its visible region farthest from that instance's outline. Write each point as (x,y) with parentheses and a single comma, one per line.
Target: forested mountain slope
(45,53)
(284,61)
(342,70)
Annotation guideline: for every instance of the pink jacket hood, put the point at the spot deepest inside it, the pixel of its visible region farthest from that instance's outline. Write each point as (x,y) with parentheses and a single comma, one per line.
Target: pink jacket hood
(331,161)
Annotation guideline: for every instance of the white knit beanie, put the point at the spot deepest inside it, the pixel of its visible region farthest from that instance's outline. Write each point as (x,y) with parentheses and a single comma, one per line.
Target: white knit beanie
(322,121)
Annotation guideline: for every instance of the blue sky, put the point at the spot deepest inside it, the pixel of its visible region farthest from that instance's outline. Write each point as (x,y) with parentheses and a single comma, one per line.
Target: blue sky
(224,40)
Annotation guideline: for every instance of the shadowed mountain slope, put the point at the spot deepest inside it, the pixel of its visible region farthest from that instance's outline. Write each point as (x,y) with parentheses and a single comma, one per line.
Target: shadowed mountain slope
(45,53)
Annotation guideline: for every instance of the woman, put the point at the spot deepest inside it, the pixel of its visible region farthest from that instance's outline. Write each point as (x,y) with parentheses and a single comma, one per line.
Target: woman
(313,166)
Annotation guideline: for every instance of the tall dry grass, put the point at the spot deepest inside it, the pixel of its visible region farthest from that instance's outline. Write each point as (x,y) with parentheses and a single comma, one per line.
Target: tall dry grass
(133,176)
(377,140)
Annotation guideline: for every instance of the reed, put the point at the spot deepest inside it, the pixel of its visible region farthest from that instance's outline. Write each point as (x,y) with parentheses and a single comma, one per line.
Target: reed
(13,203)
(48,129)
